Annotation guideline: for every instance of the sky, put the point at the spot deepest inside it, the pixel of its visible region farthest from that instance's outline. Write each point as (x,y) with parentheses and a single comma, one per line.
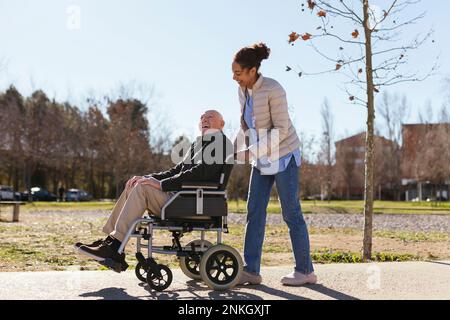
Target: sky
(180,53)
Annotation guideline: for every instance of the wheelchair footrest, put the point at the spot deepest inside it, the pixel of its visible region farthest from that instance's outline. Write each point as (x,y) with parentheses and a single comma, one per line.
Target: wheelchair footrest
(149,264)
(140,257)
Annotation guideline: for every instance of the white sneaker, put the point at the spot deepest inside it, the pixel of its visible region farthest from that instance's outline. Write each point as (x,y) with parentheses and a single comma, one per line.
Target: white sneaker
(249,278)
(297,279)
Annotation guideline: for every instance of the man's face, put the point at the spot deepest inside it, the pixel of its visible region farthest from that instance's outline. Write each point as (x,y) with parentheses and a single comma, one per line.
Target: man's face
(211,121)
(244,77)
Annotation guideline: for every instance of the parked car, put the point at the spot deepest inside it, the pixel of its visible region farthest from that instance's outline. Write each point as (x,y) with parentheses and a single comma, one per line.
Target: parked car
(313,197)
(77,195)
(7,193)
(20,196)
(41,194)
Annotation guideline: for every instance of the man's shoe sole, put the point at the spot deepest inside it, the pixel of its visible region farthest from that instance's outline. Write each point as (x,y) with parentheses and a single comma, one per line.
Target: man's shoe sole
(114,265)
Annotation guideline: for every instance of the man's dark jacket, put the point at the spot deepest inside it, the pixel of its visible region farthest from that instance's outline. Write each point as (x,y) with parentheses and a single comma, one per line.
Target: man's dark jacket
(200,163)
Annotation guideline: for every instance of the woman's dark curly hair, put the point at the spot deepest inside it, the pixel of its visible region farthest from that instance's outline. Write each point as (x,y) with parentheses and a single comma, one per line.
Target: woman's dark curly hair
(252,56)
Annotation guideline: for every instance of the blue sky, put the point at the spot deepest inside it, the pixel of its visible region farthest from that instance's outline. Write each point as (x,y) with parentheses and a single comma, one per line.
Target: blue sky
(184,50)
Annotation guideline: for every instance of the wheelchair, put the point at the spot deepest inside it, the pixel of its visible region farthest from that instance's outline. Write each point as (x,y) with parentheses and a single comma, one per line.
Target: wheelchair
(197,207)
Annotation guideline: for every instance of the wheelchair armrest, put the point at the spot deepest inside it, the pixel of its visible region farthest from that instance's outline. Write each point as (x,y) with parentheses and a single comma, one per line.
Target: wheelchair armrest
(200,185)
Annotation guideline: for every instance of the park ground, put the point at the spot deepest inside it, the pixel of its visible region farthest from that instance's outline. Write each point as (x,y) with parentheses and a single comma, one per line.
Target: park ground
(43,239)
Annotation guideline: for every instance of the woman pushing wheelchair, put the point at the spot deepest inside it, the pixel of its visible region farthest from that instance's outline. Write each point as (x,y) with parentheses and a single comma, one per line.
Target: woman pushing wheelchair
(268,140)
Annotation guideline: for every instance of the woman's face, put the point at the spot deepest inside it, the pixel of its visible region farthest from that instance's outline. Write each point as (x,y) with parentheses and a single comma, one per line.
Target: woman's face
(243,76)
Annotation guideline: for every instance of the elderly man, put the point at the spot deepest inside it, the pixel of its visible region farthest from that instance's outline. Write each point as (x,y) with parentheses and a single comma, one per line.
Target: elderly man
(202,163)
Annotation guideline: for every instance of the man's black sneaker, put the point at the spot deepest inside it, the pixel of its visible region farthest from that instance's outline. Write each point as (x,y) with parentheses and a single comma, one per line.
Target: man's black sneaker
(98,253)
(107,256)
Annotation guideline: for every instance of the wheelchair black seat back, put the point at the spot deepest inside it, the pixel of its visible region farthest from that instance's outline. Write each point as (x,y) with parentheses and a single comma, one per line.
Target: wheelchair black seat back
(199,200)
(197,207)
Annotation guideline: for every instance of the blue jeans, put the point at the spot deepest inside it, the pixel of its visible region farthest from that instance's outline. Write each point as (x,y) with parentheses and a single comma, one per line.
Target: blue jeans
(258,199)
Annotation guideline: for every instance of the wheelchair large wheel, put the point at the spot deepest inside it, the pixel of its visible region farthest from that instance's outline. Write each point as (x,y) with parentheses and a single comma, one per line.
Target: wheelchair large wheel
(221,267)
(190,265)
(162,282)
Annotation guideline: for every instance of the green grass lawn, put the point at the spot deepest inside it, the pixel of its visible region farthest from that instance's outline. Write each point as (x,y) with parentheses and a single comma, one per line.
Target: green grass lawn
(380,207)
(308,206)
(82,206)
(45,242)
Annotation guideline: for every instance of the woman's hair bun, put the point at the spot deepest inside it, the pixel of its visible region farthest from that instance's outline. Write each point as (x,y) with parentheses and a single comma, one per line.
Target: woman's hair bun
(251,56)
(262,50)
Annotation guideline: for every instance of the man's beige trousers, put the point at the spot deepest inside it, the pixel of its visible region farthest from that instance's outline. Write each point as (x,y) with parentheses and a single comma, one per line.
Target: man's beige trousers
(131,205)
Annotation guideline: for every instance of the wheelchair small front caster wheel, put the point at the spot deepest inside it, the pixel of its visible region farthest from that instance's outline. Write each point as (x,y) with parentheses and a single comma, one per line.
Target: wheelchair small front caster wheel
(190,264)
(221,267)
(159,279)
(141,272)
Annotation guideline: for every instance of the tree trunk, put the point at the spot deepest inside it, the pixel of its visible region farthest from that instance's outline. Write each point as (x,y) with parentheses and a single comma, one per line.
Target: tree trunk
(92,185)
(10,175)
(16,179)
(369,163)
(102,184)
(27,175)
(329,173)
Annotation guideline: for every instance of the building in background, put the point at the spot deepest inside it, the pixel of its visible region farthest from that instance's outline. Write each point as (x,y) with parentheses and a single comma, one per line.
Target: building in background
(349,168)
(426,161)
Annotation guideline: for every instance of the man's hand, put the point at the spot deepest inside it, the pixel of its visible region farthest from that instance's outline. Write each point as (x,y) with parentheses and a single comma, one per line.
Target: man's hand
(131,182)
(150,181)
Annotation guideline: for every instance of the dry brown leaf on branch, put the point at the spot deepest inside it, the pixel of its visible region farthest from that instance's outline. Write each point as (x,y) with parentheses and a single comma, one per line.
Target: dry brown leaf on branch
(355,34)
(293,37)
(322,14)
(311,4)
(338,66)
(306,36)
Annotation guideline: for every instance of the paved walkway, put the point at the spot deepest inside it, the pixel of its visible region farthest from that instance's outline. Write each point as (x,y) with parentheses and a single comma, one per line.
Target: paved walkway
(405,280)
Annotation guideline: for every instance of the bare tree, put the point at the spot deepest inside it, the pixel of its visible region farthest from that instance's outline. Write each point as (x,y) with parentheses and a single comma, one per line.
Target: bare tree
(309,170)
(378,55)
(129,138)
(46,143)
(426,116)
(11,144)
(394,112)
(347,177)
(326,153)
(444,138)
